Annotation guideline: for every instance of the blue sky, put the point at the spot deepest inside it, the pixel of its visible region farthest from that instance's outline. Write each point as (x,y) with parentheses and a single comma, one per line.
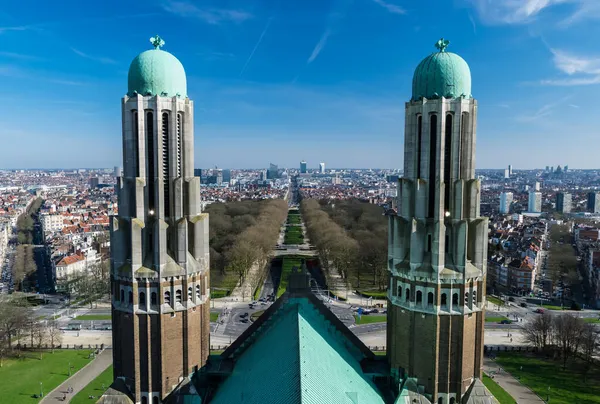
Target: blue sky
(284,80)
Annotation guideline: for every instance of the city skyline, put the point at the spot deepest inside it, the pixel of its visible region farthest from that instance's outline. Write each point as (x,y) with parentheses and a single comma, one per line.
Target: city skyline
(312,79)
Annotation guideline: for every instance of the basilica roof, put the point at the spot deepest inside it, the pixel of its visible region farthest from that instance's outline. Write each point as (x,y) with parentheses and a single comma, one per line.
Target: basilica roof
(442,74)
(156,72)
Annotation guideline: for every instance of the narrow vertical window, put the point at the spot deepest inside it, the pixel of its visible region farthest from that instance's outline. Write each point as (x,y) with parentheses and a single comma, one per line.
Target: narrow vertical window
(153,299)
(419,138)
(444,301)
(447,161)
(430,299)
(419,297)
(142,301)
(179,130)
(178,296)
(461,146)
(151,173)
(167,297)
(447,243)
(407,295)
(429,243)
(190,293)
(455,299)
(165,162)
(136,142)
(432,163)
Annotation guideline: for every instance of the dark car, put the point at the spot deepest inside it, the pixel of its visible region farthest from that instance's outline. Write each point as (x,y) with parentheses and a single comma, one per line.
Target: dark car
(511,299)
(507,321)
(523,304)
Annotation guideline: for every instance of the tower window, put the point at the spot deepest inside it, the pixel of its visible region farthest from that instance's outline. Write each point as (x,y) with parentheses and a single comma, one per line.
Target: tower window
(419,140)
(399,291)
(151,174)
(430,299)
(474,297)
(407,295)
(136,142)
(455,299)
(452,400)
(190,293)
(144,400)
(444,299)
(447,161)
(178,296)
(466,298)
(142,300)
(419,297)
(440,400)
(165,162)
(179,130)
(429,243)
(461,142)
(130,297)
(198,292)
(167,297)
(153,299)
(447,243)
(432,163)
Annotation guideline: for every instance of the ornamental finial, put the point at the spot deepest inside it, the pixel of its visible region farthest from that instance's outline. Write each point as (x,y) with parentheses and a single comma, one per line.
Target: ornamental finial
(157,42)
(442,44)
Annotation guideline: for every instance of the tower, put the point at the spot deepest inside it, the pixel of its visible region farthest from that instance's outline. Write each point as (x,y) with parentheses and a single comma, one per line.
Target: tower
(159,240)
(506,199)
(534,203)
(437,250)
(303,167)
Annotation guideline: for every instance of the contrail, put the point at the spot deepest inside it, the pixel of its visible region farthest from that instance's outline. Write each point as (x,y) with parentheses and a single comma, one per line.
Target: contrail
(256,46)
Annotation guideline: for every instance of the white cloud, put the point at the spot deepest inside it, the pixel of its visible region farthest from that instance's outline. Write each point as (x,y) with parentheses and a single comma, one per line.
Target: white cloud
(212,16)
(543,111)
(319,46)
(523,11)
(392,8)
(94,58)
(582,70)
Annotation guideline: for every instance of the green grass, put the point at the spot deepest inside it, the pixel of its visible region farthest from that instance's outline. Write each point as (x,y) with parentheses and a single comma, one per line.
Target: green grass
(293,235)
(21,377)
(495,319)
(495,300)
(94,388)
(591,320)
(501,395)
(217,351)
(286,269)
(218,293)
(370,319)
(380,353)
(256,315)
(375,294)
(257,292)
(294,219)
(213,317)
(552,307)
(94,317)
(566,386)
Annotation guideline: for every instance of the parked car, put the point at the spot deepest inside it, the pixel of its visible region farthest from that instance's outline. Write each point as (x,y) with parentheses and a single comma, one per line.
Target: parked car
(511,299)
(539,311)
(523,304)
(507,321)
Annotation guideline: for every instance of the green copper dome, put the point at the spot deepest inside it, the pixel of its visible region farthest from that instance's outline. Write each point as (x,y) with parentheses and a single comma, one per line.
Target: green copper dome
(442,74)
(156,72)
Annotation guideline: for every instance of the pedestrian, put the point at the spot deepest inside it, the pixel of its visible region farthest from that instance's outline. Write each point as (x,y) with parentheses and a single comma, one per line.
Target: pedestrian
(511,340)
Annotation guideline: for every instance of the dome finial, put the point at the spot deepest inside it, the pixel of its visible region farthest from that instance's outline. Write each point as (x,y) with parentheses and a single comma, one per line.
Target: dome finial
(157,42)
(442,44)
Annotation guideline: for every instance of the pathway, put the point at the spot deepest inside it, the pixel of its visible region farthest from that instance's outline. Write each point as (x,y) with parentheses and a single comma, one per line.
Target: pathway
(521,393)
(80,379)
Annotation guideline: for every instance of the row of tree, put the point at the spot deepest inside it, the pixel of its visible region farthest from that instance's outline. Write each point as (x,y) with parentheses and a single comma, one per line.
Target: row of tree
(89,285)
(562,258)
(564,335)
(243,234)
(24,267)
(19,326)
(351,238)
(25,222)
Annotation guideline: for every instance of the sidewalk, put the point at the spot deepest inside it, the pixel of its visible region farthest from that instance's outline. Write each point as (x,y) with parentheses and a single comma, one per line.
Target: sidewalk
(521,393)
(80,379)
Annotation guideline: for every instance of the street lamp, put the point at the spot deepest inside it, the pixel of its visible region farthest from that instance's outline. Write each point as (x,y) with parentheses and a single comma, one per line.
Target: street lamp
(41,390)
(70,367)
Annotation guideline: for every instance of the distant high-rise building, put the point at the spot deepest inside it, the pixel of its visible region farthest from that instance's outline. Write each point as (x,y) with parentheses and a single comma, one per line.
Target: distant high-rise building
(322,168)
(117,171)
(197,172)
(94,181)
(563,202)
(219,177)
(506,199)
(227,175)
(303,167)
(264,175)
(535,202)
(273,172)
(525,188)
(593,202)
(547,169)
(510,170)
(537,186)
(565,169)
(506,173)
(552,169)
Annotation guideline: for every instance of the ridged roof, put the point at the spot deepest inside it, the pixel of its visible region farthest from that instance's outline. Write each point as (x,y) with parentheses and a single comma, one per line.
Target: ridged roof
(298,357)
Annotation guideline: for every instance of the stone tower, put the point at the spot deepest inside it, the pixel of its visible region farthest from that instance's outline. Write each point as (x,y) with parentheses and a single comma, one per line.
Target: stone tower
(159,240)
(437,241)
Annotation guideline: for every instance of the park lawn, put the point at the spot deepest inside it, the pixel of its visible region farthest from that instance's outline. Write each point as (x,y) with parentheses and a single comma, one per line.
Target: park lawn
(501,395)
(213,317)
(495,319)
(551,307)
(293,235)
(256,315)
(566,386)
(286,269)
(94,388)
(591,320)
(94,317)
(495,300)
(375,294)
(218,293)
(294,219)
(370,319)
(380,353)
(21,377)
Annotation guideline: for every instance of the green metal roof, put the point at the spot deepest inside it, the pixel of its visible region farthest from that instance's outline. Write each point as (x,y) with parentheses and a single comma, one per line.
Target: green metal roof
(156,72)
(298,357)
(442,74)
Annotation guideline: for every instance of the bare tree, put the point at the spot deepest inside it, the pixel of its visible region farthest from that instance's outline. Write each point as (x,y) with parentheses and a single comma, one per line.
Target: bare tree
(54,334)
(589,340)
(567,332)
(538,332)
